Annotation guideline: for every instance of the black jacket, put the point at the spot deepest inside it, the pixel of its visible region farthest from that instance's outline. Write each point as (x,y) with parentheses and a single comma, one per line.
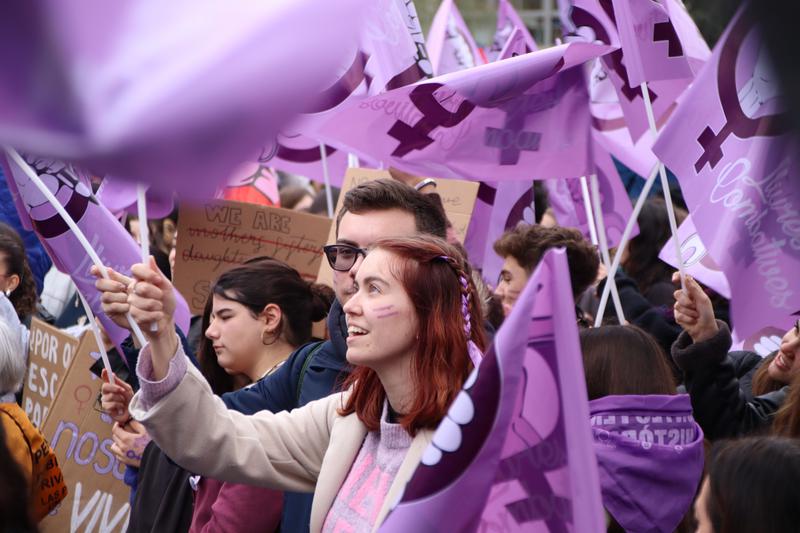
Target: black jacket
(714,380)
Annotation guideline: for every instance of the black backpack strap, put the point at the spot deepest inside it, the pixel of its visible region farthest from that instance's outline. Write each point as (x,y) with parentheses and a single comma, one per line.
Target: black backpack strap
(303,370)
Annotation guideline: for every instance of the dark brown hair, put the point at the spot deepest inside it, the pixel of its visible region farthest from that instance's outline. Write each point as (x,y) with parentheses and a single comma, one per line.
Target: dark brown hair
(12,253)
(620,360)
(383,194)
(441,362)
(762,382)
(787,419)
(255,284)
(527,244)
(642,263)
(753,485)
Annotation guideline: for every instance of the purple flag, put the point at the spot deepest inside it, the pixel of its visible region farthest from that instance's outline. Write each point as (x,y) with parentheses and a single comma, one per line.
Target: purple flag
(515,450)
(729,143)
(121,195)
(113,244)
(697,262)
(568,204)
(509,20)
(498,208)
(391,53)
(593,21)
(657,37)
(142,91)
(504,120)
(450,43)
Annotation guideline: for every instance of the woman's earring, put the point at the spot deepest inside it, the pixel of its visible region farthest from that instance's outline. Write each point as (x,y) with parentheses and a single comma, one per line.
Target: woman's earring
(8,293)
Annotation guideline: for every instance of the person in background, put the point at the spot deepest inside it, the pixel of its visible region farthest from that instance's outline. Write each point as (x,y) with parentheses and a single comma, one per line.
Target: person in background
(751,486)
(523,247)
(410,295)
(23,442)
(712,375)
(16,278)
(649,448)
(296,197)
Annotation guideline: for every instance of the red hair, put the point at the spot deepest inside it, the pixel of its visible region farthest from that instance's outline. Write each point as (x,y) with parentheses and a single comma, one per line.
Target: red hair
(431,272)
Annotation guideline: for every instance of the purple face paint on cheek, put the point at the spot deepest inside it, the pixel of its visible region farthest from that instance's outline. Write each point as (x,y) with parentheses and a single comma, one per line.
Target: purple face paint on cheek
(385,312)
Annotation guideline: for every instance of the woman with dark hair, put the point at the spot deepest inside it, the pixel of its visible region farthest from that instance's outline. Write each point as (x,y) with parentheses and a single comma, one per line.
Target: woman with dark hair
(649,449)
(751,486)
(16,278)
(414,334)
(256,315)
(713,376)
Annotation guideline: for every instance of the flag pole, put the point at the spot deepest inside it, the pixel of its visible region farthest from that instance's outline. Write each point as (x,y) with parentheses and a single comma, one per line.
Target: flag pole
(587,204)
(22,164)
(327,179)
(601,232)
(144,232)
(623,242)
(662,171)
(97,337)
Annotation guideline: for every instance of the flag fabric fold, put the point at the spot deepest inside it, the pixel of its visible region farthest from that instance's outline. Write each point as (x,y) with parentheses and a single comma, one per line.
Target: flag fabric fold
(509,20)
(500,121)
(730,146)
(450,43)
(515,450)
(113,244)
(141,91)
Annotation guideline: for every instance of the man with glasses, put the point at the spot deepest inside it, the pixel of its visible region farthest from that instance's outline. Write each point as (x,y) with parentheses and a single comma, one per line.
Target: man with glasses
(371,211)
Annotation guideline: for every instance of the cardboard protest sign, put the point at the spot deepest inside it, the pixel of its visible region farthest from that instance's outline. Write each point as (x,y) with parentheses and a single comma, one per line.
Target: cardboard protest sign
(81,438)
(50,352)
(458,199)
(219,235)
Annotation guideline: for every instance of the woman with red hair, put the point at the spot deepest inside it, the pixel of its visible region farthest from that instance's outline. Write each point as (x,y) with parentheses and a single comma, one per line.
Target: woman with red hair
(414,334)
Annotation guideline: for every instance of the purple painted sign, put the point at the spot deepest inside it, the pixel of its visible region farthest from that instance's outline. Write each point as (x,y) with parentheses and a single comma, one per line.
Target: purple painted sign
(450,43)
(504,120)
(515,450)
(729,144)
(113,244)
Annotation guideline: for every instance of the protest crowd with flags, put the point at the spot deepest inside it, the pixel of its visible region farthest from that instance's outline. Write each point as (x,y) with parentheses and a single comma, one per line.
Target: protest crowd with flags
(311,266)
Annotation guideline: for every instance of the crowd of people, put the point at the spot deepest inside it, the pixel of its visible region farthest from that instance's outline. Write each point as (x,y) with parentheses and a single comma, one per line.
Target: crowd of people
(246,422)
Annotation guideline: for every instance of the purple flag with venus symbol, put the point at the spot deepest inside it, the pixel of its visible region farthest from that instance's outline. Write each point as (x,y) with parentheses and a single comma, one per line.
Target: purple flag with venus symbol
(515,450)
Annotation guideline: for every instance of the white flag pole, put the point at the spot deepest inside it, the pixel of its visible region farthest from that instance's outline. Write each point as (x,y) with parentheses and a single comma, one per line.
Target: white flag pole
(327,179)
(673,226)
(98,338)
(623,242)
(587,204)
(144,232)
(22,164)
(601,232)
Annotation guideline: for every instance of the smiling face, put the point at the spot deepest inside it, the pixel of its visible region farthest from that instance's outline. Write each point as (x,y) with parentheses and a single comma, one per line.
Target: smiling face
(785,365)
(236,336)
(361,230)
(381,320)
(512,280)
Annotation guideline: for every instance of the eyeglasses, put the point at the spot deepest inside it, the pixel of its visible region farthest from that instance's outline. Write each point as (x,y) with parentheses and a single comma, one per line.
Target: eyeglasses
(342,257)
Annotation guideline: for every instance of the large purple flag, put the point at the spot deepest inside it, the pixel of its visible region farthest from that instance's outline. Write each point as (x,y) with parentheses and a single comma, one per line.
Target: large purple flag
(658,38)
(119,196)
(450,43)
(173,94)
(509,20)
(504,120)
(731,147)
(113,244)
(391,53)
(515,450)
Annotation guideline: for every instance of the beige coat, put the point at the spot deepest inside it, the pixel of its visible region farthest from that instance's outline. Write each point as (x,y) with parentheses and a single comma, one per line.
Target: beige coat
(310,449)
